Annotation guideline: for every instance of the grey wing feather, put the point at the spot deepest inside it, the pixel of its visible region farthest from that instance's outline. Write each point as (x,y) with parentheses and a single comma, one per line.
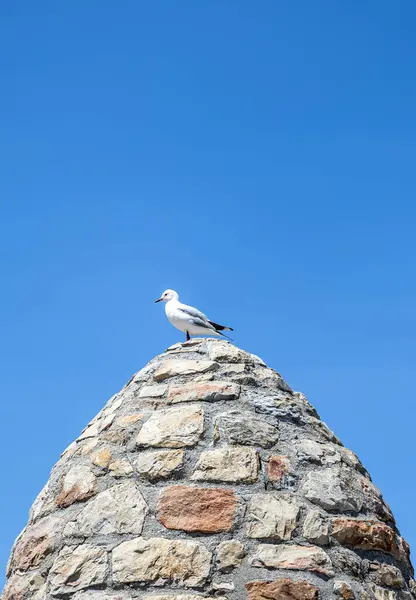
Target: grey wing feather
(202,323)
(194,312)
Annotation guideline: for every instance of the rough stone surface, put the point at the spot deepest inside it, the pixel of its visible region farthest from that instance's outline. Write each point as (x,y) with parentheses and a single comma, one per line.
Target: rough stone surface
(388,575)
(315,452)
(97,426)
(365,535)
(153,391)
(383,594)
(230,553)
(170,368)
(301,558)
(120,468)
(173,428)
(102,458)
(281,589)
(120,509)
(100,595)
(343,590)
(180,597)
(31,586)
(207,478)
(206,510)
(316,528)
(272,516)
(36,542)
(129,420)
(44,502)
(86,447)
(223,351)
(159,465)
(159,559)
(232,465)
(334,489)
(277,467)
(246,429)
(78,485)
(78,568)
(211,391)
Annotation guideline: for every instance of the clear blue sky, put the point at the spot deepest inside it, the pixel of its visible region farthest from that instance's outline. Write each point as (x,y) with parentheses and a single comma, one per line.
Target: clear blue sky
(257,157)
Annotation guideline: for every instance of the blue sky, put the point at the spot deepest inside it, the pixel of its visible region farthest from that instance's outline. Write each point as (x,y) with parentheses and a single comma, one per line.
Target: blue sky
(258,158)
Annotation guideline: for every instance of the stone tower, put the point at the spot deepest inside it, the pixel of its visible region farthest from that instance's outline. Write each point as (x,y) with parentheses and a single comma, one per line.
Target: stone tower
(208,477)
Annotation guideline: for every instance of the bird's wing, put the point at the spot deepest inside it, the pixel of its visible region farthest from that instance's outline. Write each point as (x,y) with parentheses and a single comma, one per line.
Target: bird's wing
(202,323)
(194,313)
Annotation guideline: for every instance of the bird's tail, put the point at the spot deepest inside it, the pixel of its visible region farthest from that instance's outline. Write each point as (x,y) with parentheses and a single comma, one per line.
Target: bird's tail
(225,335)
(221,328)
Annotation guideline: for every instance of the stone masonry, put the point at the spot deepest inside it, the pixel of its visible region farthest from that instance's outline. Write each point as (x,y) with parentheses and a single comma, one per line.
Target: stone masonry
(208,477)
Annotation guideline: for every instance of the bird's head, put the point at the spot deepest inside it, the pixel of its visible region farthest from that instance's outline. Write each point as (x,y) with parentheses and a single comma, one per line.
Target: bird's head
(168,295)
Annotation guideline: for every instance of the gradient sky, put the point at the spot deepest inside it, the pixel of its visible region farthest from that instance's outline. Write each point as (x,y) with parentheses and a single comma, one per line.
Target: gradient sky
(257,157)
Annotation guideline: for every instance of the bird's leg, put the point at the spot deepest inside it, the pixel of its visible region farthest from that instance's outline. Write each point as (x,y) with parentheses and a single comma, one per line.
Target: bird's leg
(188,337)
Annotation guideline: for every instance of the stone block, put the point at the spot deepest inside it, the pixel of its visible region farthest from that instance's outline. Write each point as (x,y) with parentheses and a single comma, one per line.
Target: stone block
(364,535)
(343,590)
(77,485)
(181,597)
(30,586)
(161,560)
(232,465)
(101,458)
(222,351)
(120,468)
(247,430)
(120,509)
(299,558)
(96,426)
(381,593)
(153,391)
(316,452)
(272,516)
(128,420)
(389,576)
(78,568)
(176,367)
(230,553)
(176,427)
(316,528)
(333,489)
(36,542)
(43,504)
(161,464)
(281,589)
(210,391)
(192,509)
(277,467)
(102,595)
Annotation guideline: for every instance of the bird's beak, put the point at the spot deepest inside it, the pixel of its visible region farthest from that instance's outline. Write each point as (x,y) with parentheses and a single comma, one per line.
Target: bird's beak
(160,300)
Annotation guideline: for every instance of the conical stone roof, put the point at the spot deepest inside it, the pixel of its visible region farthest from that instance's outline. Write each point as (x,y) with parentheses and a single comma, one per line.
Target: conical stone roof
(208,477)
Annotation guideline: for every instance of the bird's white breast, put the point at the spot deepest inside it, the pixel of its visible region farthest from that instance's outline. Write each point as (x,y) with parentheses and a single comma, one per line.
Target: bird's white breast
(176,317)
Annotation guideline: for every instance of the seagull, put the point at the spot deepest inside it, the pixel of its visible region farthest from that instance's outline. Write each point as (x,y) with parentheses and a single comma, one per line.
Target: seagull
(188,319)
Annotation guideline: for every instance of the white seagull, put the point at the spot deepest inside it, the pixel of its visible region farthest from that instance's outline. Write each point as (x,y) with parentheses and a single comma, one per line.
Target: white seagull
(188,319)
